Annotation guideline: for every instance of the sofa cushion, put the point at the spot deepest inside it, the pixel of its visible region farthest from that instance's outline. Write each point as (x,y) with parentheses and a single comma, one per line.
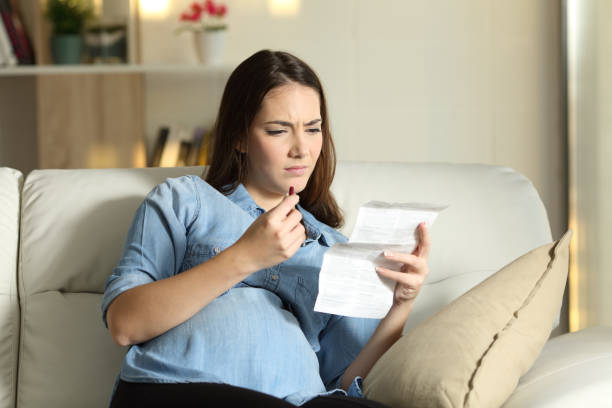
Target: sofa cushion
(473,352)
(10,190)
(73,229)
(573,370)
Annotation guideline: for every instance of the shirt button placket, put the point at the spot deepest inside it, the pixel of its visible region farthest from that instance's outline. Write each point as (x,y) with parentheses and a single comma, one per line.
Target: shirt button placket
(273,277)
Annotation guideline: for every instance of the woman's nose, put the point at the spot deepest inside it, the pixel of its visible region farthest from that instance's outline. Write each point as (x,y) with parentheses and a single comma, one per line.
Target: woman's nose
(300,146)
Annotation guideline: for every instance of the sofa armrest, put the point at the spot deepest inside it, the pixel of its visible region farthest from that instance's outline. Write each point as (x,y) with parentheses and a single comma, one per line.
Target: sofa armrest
(573,370)
(11,182)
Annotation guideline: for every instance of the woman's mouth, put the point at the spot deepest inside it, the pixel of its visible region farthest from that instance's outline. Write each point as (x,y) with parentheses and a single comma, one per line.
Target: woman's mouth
(296,170)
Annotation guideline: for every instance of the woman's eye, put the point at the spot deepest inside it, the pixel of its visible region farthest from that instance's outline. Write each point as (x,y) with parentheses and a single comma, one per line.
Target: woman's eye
(278,132)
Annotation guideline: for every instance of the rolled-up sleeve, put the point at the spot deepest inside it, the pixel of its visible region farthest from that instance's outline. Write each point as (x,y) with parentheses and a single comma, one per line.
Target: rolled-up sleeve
(156,240)
(356,387)
(341,341)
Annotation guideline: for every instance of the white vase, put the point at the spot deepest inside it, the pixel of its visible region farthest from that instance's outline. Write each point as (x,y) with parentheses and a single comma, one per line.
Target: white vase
(209,46)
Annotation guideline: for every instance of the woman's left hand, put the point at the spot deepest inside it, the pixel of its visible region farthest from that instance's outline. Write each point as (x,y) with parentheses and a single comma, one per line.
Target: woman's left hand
(413,271)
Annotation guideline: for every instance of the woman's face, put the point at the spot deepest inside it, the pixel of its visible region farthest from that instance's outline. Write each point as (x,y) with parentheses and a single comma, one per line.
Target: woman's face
(283,143)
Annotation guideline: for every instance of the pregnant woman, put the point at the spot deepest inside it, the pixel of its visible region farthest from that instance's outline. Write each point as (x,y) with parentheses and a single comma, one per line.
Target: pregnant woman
(215,289)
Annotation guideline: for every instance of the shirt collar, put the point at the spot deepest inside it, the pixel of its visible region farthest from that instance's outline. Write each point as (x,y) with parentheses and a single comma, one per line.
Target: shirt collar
(241,197)
(313,226)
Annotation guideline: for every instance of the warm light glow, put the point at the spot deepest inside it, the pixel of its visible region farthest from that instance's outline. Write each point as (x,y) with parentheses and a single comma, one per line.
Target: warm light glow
(572,30)
(284,7)
(154,8)
(139,155)
(573,276)
(105,156)
(97,7)
(102,157)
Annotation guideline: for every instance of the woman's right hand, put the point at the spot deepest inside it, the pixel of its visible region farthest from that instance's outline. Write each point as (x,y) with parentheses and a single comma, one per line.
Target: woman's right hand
(273,237)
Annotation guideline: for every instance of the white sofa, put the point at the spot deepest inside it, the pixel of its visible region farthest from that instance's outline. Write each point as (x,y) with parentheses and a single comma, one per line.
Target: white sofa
(62,232)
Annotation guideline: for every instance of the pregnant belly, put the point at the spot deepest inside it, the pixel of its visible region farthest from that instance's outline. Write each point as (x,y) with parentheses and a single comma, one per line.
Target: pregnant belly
(244,338)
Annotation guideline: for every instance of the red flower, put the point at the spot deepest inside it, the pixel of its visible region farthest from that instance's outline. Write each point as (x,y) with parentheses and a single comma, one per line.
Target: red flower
(195,16)
(195,10)
(196,7)
(209,7)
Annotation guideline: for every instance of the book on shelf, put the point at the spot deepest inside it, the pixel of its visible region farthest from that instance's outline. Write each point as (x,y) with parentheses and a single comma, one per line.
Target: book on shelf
(37,26)
(7,55)
(19,41)
(184,148)
(196,146)
(170,154)
(7,52)
(162,136)
(178,146)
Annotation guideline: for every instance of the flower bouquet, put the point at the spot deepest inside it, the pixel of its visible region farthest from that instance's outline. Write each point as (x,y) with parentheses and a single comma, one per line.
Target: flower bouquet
(204,16)
(206,21)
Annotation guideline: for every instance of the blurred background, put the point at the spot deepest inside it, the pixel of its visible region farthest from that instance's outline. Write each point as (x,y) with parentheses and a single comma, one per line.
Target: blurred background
(518,83)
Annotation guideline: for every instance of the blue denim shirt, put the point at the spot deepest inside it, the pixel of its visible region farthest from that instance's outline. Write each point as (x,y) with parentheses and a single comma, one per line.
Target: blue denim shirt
(261,334)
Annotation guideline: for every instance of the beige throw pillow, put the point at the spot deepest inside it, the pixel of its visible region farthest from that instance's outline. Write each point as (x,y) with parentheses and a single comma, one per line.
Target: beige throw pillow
(473,351)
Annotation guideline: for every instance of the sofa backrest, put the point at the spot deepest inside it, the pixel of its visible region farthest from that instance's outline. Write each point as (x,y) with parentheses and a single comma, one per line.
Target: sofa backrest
(10,189)
(74,224)
(494,215)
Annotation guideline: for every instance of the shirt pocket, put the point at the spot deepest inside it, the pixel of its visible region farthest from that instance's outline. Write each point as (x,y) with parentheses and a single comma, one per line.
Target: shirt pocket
(201,252)
(198,253)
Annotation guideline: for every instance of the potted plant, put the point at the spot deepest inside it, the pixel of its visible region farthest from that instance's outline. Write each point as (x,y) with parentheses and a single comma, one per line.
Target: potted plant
(206,20)
(68,17)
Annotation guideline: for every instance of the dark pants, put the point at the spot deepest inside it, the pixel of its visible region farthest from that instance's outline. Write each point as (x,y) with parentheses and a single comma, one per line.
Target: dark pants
(217,395)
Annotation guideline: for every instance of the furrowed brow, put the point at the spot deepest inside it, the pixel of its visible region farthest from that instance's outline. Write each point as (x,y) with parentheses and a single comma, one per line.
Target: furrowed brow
(289,124)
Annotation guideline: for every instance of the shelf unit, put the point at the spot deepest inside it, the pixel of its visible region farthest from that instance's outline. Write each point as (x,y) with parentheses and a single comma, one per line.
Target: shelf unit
(85,116)
(29,70)
(71,119)
(81,116)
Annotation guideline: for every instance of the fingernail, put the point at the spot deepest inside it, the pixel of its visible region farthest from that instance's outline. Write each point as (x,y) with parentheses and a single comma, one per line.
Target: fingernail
(388,253)
(291,190)
(377,269)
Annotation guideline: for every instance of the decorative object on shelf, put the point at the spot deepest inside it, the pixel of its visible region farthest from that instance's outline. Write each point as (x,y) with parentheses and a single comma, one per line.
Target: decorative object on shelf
(68,18)
(106,43)
(206,21)
(209,46)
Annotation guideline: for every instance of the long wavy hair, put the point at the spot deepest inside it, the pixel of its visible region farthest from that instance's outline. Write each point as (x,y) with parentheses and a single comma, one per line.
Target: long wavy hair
(242,98)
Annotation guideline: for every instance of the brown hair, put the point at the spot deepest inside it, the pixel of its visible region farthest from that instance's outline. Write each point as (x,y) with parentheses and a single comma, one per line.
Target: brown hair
(242,97)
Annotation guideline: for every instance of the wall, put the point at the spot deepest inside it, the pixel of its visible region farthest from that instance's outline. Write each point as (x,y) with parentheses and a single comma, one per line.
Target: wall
(406,80)
(18,144)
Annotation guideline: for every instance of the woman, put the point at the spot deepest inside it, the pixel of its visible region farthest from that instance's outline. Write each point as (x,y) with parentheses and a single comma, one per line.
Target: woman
(216,286)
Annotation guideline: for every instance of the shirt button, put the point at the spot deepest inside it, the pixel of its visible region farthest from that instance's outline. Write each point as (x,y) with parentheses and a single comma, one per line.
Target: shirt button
(274,277)
(217,250)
